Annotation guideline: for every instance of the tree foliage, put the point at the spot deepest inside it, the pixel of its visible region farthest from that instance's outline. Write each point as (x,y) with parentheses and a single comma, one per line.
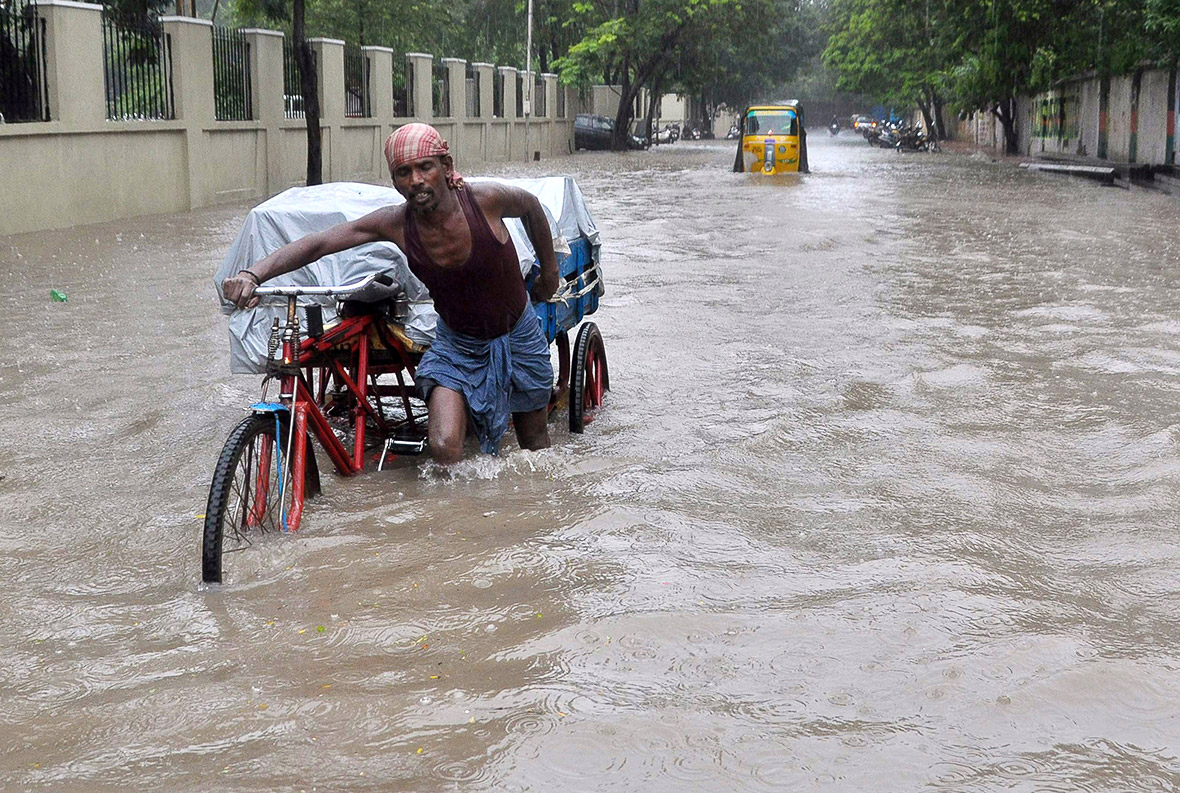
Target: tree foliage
(982,55)
(718,50)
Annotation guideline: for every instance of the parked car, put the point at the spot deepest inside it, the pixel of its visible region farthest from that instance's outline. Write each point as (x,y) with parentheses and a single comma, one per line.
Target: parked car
(594,132)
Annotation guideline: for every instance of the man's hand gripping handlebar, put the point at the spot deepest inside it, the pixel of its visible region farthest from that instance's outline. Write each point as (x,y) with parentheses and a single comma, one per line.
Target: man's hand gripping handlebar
(244,293)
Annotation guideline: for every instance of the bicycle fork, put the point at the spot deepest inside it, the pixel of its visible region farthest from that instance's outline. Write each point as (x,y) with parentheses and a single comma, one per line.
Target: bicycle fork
(293,412)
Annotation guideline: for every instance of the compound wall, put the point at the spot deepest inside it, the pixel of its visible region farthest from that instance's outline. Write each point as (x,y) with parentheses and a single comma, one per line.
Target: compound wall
(80,167)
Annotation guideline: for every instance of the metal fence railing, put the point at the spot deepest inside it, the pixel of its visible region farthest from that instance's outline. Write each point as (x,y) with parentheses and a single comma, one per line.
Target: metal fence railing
(497,94)
(357,102)
(520,86)
(24,93)
(440,86)
(232,99)
(471,91)
(137,69)
(401,99)
(292,85)
(403,89)
(560,101)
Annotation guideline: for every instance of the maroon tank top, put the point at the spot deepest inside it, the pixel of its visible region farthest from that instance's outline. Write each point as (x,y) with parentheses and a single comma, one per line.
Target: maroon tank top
(484,296)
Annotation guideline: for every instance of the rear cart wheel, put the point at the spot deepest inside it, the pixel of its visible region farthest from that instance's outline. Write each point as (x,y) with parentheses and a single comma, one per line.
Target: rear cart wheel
(244,498)
(590,378)
(561,386)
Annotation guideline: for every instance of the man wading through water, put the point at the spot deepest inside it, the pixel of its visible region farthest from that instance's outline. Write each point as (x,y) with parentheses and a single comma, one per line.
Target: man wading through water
(489,357)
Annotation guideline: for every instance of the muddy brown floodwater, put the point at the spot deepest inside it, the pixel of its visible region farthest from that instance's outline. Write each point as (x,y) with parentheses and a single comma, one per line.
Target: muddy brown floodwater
(884,499)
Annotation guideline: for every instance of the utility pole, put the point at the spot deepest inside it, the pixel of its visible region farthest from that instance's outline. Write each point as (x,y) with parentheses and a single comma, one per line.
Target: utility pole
(528,79)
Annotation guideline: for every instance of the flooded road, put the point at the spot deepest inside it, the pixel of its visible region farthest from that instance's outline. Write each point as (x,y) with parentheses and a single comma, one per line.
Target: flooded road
(884,498)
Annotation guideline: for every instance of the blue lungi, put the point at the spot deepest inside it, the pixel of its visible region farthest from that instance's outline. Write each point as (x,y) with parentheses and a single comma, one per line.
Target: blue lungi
(497,377)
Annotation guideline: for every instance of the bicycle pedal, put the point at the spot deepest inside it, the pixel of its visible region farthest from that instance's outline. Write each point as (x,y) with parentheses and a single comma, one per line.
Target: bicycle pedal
(405,444)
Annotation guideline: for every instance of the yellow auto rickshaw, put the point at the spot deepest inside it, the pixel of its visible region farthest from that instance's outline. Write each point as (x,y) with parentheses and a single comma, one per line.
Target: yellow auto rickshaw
(772,140)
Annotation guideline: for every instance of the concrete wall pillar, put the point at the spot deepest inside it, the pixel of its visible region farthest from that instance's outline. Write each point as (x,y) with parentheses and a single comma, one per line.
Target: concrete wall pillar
(74,56)
(1153,116)
(421,75)
(457,85)
(192,93)
(329,55)
(266,99)
(508,87)
(266,74)
(550,87)
(380,99)
(192,67)
(380,80)
(487,86)
(526,84)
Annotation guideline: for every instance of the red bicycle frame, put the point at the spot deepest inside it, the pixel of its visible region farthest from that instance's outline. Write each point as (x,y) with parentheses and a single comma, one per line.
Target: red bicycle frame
(351,340)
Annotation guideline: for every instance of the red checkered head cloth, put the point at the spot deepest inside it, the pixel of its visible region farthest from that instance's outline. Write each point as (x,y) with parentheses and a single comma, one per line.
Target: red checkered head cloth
(415,141)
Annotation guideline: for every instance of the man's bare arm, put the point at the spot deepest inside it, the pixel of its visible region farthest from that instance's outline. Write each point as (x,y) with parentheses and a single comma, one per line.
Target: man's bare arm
(239,288)
(512,202)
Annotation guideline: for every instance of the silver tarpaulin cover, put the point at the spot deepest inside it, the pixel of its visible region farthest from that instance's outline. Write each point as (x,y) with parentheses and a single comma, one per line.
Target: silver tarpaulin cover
(302,210)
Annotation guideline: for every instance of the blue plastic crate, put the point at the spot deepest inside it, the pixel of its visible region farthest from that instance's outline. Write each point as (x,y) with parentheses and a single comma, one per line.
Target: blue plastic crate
(556,317)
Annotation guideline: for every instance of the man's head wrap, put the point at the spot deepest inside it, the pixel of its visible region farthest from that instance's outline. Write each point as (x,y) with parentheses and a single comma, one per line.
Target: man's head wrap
(415,141)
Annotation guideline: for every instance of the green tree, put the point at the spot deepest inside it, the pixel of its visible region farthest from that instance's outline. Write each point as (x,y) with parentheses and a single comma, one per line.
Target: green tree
(1014,48)
(763,48)
(1162,21)
(696,46)
(898,52)
(983,55)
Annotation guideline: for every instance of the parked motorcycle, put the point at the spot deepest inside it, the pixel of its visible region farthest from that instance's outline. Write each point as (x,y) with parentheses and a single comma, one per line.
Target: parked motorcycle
(910,139)
(888,137)
(665,135)
(914,139)
(734,133)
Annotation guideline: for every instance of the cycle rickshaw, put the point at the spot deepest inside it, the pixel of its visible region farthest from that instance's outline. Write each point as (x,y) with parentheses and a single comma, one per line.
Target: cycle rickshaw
(341,349)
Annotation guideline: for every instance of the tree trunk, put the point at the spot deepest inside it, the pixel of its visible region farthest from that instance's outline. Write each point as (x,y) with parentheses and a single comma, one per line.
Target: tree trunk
(924,106)
(652,103)
(626,109)
(940,118)
(1005,112)
(311,97)
(648,71)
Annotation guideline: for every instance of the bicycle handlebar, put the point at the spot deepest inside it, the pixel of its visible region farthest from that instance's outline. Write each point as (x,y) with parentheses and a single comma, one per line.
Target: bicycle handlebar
(564,294)
(342,289)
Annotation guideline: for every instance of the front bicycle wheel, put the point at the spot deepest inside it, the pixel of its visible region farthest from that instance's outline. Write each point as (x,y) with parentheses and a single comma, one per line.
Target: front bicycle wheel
(251,491)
